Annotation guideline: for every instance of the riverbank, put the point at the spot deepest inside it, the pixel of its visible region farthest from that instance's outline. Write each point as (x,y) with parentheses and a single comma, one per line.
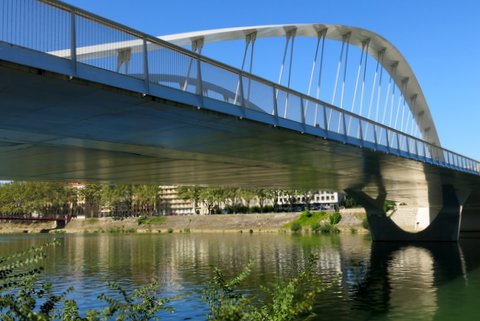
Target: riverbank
(266,223)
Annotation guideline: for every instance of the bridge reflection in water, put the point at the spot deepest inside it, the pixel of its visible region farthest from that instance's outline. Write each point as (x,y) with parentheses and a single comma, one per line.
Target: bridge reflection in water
(379,281)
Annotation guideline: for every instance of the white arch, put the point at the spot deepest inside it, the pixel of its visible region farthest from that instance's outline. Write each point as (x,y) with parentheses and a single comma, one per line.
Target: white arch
(420,109)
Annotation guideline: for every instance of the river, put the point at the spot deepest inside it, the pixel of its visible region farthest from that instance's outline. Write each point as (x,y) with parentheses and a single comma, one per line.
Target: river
(384,281)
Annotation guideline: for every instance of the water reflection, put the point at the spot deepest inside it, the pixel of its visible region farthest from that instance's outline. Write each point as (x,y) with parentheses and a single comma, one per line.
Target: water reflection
(380,281)
(402,280)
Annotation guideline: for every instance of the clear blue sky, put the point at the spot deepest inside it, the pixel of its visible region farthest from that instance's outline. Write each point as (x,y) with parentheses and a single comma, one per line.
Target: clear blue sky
(438,38)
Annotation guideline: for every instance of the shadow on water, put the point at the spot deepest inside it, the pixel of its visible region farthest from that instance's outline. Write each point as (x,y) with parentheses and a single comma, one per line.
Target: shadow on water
(405,281)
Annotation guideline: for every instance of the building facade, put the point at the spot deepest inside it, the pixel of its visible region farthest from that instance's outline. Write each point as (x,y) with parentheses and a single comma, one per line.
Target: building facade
(171,204)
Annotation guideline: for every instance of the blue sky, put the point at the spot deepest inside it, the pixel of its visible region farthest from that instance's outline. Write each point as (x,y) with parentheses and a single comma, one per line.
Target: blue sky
(439,39)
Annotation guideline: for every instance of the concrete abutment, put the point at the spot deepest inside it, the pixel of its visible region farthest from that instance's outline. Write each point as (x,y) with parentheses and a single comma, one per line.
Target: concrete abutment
(444,227)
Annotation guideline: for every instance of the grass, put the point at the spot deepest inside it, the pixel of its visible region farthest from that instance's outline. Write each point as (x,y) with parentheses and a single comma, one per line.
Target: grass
(91,221)
(151,220)
(307,219)
(58,231)
(317,222)
(120,230)
(329,229)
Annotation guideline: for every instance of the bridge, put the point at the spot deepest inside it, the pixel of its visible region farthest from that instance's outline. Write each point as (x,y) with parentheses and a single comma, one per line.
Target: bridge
(86,99)
(60,220)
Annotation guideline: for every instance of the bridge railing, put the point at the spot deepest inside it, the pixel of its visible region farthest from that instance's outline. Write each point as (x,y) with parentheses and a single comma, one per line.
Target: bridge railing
(78,36)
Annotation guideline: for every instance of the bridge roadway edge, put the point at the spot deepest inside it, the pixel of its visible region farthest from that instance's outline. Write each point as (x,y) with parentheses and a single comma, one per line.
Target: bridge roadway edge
(344,171)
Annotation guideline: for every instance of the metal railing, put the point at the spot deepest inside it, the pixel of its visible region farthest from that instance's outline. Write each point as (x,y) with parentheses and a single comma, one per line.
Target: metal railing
(64,31)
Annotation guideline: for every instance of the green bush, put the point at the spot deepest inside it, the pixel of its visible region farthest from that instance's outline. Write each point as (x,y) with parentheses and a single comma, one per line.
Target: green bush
(365,223)
(316,227)
(307,220)
(268,209)
(329,229)
(307,214)
(335,218)
(170,230)
(150,220)
(296,227)
(285,301)
(389,205)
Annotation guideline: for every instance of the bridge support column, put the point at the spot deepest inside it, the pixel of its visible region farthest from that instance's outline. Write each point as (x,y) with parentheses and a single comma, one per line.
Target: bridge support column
(444,228)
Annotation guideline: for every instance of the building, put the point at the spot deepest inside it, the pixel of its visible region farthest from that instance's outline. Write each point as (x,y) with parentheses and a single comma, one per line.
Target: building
(316,200)
(171,204)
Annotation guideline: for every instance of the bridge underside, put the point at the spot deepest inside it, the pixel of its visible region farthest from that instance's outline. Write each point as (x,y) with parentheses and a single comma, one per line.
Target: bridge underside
(56,128)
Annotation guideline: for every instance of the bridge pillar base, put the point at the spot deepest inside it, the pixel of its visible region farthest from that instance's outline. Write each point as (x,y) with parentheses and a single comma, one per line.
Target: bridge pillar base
(444,228)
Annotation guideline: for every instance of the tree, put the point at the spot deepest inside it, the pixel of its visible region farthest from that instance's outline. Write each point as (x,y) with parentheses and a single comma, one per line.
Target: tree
(191,193)
(262,195)
(291,195)
(92,194)
(118,198)
(43,198)
(248,195)
(211,197)
(145,199)
(274,194)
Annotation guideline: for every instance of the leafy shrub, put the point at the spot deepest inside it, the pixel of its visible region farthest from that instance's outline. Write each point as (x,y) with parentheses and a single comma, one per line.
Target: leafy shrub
(296,227)
(316,227)
(144,220)
(307,214)
(283,302)
(329,229)
(335,218)
(268,209)
(170,230)
(389,205)
(365,223)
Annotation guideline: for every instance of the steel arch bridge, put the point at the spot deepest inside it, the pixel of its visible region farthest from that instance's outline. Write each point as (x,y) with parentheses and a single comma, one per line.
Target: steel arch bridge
(85,98)
(391,71)
(386,56)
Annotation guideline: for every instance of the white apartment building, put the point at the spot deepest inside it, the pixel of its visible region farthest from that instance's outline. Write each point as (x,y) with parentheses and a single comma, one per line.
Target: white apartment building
(316,199)
(171,204)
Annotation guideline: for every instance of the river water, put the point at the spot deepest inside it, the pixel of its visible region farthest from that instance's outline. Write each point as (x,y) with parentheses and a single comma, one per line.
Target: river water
(384,281)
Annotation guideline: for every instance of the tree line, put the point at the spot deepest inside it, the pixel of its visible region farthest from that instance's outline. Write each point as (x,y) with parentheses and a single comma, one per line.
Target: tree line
(53,198)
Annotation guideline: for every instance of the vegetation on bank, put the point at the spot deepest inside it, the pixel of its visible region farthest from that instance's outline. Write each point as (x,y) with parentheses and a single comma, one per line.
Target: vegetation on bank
(316,222)
(151,220)
(23,297)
